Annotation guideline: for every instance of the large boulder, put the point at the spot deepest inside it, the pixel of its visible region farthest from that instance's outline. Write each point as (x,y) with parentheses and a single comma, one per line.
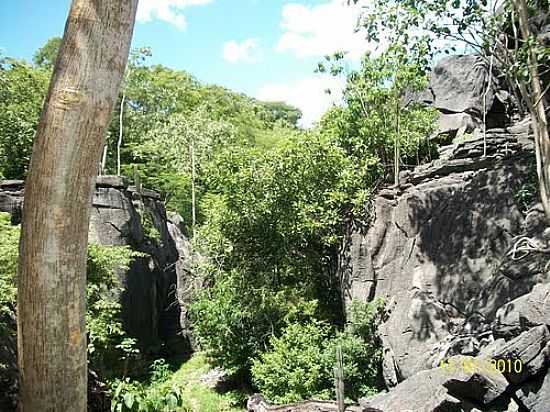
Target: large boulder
(461,84)
(531,349)
(467,95)
(457,389)
(529,310)
(535,394)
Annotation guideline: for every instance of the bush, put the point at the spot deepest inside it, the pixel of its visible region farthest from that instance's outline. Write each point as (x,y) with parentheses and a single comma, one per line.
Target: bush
(294,369)
(152,397)
(235,318)
(300,363)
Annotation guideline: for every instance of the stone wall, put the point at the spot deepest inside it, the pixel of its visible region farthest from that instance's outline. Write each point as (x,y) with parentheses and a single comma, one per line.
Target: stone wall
(122,215)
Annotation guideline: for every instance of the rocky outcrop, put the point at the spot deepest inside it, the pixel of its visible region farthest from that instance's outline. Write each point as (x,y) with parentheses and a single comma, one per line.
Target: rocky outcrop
(122,215)
(466,94)
(257,403)
(438,250)
(461,262)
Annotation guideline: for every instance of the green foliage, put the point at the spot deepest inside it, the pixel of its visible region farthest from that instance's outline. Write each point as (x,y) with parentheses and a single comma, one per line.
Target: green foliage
(178,391)
(9,250)
(109,348)
(234,319)
(273,112)
(294,369)
(374,119)
(527,192)
(152,397)
(277,206)
(22,91)
(164,155)
(46,55)
(150,231)
(273,221)
(300,363)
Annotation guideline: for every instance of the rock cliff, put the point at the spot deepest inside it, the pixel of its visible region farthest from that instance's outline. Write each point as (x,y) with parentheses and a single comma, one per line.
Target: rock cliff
(459,254)
(122,215)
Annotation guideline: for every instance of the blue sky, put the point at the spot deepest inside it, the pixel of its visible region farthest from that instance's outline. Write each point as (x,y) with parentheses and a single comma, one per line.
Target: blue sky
(264,48)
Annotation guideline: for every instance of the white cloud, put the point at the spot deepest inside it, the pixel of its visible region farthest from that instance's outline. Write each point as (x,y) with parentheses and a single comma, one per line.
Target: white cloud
(321,30)
(246,52)
(170,11)
(308,94)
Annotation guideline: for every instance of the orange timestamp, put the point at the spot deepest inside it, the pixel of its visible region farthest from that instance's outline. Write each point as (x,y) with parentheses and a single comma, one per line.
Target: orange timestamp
(468,364)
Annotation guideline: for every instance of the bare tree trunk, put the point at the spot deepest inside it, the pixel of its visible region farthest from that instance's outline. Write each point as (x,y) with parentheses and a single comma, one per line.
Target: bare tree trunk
(396,154)
(58,194)
(193,199)
(104,158)
(119,142)
(535,101)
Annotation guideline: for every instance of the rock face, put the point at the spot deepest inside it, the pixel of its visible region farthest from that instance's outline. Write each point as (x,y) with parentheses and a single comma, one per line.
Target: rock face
(437,251)
(466,93)
(460,258)
(122,215)
(157,285)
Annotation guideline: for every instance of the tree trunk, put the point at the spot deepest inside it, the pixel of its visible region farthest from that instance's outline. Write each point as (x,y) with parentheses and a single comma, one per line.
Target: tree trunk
(119,142)
(58,194)
(535,102)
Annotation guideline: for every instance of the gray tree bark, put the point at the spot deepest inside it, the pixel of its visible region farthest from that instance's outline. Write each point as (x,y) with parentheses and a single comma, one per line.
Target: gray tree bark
(535,101)
(58,194)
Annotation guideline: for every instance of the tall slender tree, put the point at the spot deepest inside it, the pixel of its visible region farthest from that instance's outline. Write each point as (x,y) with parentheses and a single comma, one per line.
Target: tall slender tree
(67,147)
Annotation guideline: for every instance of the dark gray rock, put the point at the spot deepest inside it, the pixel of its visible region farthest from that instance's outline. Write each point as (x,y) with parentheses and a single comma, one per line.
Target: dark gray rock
(531,348)
(460,84)
(442,390)
(475,381)
(123,217)
(524,312)
(535,394)
(118,182)
(456,124)
(438,251)
(257,403)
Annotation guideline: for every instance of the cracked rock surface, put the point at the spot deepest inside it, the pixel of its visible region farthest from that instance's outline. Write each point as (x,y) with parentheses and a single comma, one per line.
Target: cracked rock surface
(461,264)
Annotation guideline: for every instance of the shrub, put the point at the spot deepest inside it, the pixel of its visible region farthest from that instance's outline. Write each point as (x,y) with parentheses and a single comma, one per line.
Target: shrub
(109,348)
(295,368)
(235,318)
(301,361)
(152,397)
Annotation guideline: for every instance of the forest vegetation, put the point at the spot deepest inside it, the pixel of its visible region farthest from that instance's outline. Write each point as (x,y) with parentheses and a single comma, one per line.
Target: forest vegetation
(264,200)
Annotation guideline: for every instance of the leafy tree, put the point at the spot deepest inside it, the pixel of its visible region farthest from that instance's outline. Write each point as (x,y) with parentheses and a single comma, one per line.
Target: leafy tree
(173,152)
(46,55)
(272,226)
(272,112)
(22,92)
(374,123)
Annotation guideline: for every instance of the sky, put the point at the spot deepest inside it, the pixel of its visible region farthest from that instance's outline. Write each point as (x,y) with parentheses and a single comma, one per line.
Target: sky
(267,49)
